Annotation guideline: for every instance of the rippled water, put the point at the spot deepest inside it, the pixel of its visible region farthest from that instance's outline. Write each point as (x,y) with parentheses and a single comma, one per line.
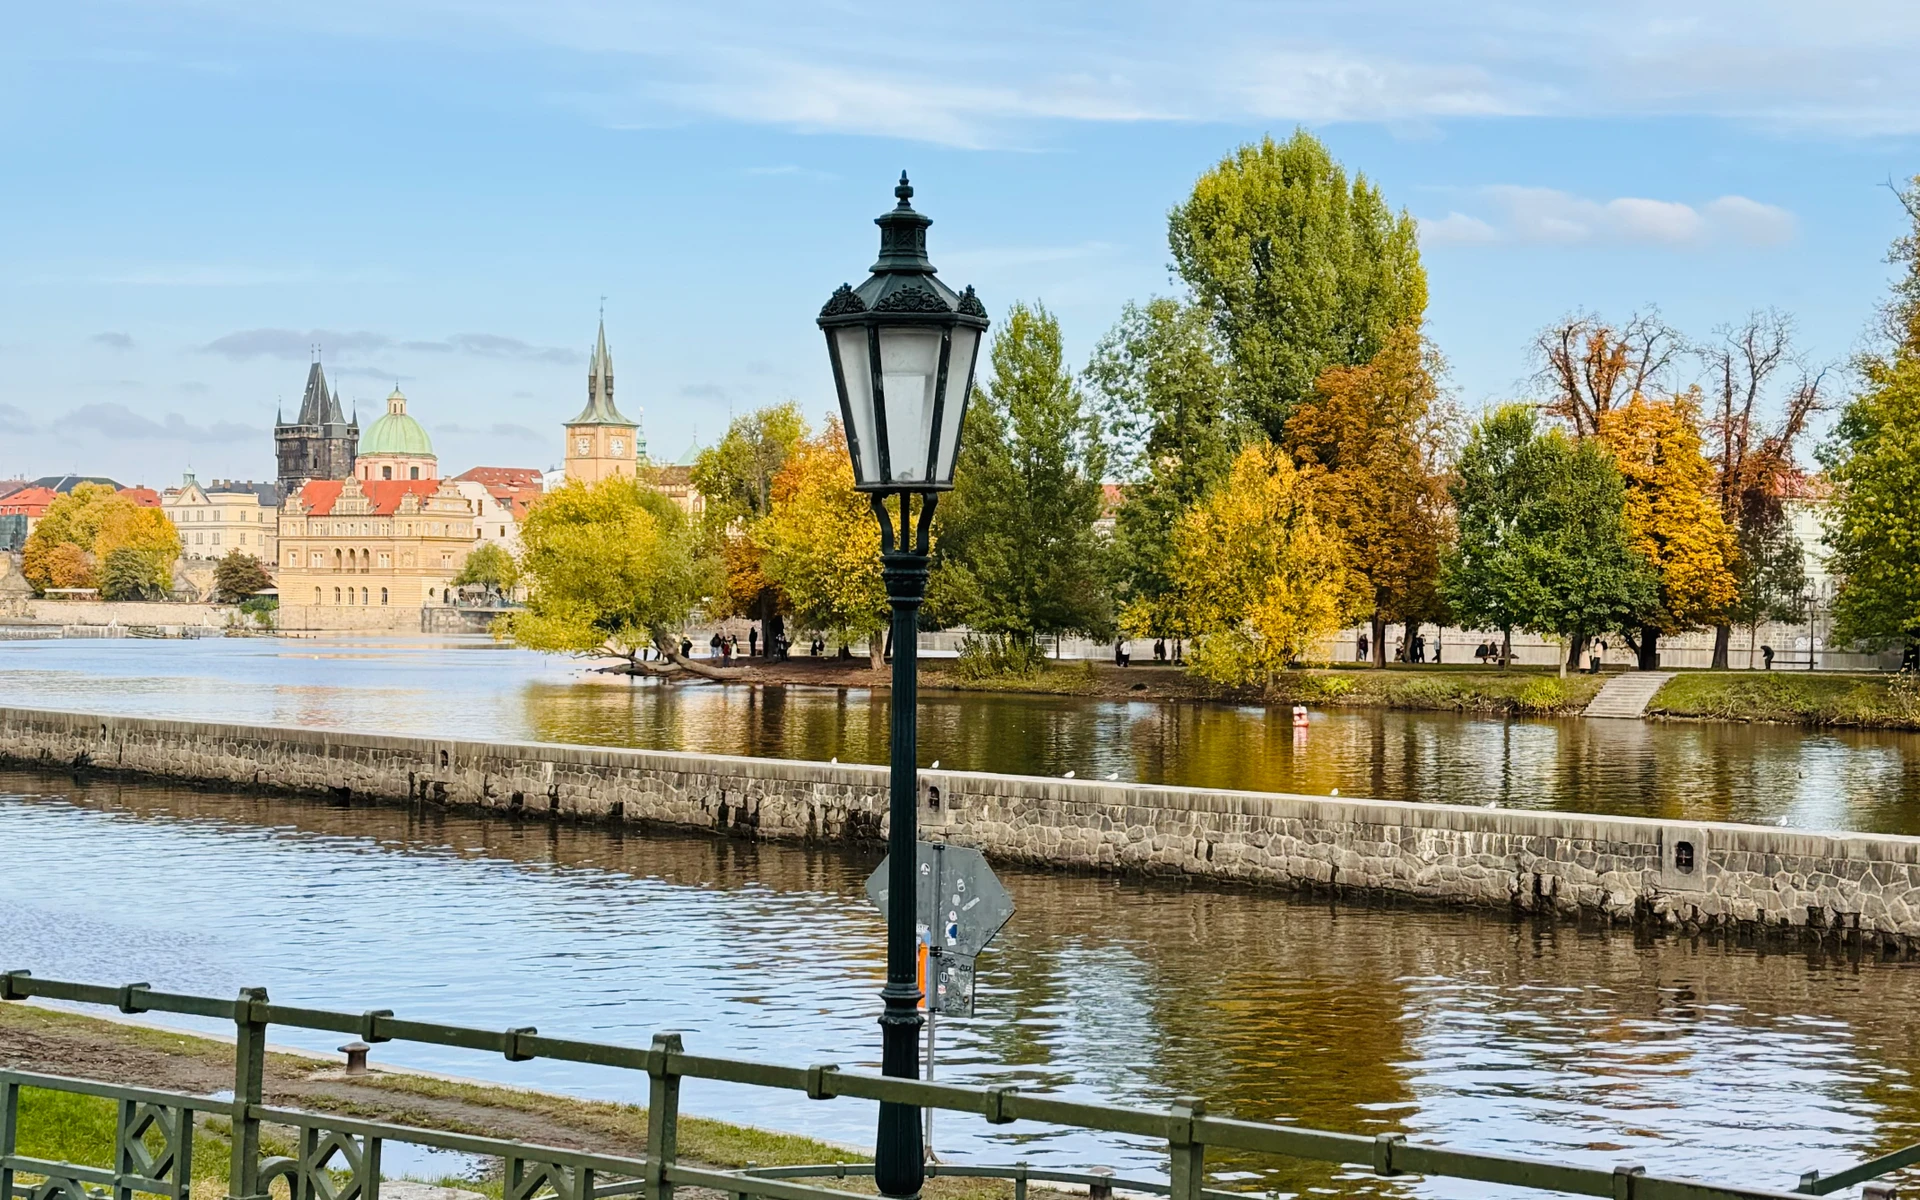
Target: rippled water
(472,688)
(1686,1056)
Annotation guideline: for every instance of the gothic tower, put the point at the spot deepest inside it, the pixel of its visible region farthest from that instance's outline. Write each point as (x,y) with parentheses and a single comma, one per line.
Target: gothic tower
(600,442)
(320,444)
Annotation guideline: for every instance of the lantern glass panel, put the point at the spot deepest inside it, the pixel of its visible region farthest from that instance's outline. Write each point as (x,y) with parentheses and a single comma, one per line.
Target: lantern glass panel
(959,386)
(909,374)
(856,368)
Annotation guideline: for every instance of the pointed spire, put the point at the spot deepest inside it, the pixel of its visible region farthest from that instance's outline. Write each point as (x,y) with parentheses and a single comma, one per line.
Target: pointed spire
(600,409)
(314,401)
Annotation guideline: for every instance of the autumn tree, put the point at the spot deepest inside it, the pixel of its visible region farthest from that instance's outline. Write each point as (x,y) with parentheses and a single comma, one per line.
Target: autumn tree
(1017,553)
(1752,449)
(239,575)
(1162,387)
(735,477)
(1673,517)
(612,568)
(96,520)
(1372,436)
(1585,366)
(820,545)
(1262,576)
(1298,269)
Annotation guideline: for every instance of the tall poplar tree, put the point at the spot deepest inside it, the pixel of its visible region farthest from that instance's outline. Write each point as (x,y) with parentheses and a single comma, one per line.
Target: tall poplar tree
(1298,269)
(1018,553)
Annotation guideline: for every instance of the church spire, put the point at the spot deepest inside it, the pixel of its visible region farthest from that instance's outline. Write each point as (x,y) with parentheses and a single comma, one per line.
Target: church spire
(600,409)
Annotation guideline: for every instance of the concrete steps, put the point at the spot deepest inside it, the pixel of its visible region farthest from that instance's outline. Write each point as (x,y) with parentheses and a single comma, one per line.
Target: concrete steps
(1627,695)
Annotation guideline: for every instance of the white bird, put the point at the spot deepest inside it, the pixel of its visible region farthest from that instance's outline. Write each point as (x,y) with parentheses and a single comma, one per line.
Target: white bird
(1068,775)
(1114,776)
(1493,804)
(935,766)
(1336,791)
(835,758)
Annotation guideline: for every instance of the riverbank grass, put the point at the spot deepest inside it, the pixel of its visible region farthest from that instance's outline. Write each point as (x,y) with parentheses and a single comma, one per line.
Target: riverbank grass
(1792,697)
(65,1127)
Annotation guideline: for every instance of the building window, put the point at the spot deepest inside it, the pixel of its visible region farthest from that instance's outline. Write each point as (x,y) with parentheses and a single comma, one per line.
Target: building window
(386,472)
(336,595)
(413,472)
(336,560)
(199,537)
(363,596)
(216,537)
(383,595)
(316,597)
(318,561)
(446,560)
(386,560)
(293,558)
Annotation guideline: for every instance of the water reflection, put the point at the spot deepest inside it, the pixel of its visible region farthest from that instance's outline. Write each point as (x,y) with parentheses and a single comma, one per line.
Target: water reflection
(1767,774)
(1597,1046)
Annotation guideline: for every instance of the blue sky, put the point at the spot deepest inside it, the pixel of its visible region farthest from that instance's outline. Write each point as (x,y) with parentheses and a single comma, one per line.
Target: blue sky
(440,191)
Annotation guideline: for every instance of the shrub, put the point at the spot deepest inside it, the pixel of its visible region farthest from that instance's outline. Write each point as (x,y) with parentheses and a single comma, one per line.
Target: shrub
(997,656)
(1328,687)
(1543,694)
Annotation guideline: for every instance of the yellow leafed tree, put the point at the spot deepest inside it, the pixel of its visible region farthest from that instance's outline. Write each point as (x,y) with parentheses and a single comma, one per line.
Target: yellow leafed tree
(820,545)
(95,521)
(1260,575)
(1673,516)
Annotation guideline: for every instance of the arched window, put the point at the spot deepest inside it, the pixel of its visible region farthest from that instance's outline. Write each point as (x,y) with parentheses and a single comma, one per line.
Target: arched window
(336,560)
(383,595)
(363,595)
(336,595)
(316,597)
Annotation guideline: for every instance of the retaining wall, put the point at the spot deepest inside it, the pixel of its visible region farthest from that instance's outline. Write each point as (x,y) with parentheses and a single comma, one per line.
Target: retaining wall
(1618,868)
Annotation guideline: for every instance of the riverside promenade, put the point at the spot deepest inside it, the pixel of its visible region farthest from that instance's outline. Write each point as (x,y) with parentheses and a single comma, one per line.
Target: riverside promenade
(1744,879)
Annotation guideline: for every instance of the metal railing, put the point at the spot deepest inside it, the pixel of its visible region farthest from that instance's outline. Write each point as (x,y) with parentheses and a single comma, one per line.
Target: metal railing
(338,1157)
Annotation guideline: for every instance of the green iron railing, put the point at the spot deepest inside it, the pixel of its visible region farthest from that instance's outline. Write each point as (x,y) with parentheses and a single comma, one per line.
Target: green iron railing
(338,1157)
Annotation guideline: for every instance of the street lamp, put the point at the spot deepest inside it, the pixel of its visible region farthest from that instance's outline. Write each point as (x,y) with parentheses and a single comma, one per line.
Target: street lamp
(903,346)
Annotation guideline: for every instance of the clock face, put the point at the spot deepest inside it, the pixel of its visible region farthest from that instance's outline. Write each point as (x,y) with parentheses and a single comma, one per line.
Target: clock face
(580,445)
(619,446)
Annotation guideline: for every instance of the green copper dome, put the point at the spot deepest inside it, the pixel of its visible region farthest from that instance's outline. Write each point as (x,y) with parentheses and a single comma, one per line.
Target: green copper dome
(396,433)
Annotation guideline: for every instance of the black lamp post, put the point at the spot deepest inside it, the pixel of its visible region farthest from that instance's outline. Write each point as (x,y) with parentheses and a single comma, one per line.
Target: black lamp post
(903,346)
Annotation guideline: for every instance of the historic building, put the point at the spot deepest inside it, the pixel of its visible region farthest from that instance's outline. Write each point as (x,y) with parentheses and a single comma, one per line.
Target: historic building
(601,443)
(321,443)
(392,534)
(501,498)
(222,516)
(396,446)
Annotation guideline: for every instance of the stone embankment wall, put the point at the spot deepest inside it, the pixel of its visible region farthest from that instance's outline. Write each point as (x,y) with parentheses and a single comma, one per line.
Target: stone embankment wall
(1725,876)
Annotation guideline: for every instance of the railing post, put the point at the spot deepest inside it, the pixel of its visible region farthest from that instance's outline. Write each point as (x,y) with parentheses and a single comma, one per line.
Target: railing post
(249,1088)
(9,1130)
(1186,1152)
(663,1115)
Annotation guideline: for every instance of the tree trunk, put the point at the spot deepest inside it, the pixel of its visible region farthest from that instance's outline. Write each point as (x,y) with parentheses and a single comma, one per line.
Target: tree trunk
(1506,648)
(1406,642)
(1379,628)
(1576,646)
(669,649)
(1649,648)
(1722,641)
(876,651)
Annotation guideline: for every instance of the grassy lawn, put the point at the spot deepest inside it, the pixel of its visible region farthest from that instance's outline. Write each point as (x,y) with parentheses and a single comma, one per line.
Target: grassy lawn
(1795,697)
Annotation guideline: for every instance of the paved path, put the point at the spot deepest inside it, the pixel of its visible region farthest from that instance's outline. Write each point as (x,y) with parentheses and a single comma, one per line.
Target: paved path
(1627,695)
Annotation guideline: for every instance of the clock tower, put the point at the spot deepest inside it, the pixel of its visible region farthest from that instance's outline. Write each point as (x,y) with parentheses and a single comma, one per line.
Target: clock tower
(600,442)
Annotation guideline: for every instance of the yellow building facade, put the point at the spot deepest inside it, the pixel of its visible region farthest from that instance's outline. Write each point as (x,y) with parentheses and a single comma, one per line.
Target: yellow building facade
(219,518)
(373,543)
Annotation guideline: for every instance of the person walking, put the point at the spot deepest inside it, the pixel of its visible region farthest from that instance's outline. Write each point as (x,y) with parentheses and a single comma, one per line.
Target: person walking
(1360,649)
(753,641)
(1766,656)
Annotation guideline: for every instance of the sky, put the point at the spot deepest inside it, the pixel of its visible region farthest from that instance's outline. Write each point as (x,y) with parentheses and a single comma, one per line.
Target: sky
(439,193)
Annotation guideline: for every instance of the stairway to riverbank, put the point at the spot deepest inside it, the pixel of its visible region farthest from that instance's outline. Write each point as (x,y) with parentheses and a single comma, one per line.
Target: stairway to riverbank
(1627,695)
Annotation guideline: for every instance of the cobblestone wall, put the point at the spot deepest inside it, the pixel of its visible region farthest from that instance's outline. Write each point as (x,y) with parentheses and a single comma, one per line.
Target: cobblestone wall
(1706,875)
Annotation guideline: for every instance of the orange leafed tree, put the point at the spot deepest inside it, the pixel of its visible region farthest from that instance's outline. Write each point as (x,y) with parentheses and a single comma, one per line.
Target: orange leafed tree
(1370,438)
(1673,514)
(1586,366)
(820,544)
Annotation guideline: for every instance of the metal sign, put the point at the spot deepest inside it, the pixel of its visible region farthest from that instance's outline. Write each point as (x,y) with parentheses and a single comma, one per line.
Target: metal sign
(960,906)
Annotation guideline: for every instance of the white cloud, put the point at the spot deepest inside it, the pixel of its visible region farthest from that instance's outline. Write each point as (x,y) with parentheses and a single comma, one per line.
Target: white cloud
(1548,216)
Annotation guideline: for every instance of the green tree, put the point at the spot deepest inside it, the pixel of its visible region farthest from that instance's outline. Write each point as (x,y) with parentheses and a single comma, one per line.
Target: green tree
(1019,543)
(612,568)
(131,574)
(820,545)
(1162,388)
(239,575)
(1299,269)
(1873,523)
(1488,574)
(489,566)
(1262,576)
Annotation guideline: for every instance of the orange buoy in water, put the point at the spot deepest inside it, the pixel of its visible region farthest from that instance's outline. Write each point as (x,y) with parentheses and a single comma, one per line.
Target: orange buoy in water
(1299,716)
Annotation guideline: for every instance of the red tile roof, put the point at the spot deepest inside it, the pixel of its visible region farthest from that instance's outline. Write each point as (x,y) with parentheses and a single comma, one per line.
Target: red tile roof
(319,494)
(32,501)
(503,477)
(145,497)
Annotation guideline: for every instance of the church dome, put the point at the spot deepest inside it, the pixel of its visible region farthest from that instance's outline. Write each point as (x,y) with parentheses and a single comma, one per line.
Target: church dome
(396,434)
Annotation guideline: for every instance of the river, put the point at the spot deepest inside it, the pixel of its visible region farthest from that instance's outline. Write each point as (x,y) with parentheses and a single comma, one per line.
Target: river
(1595,1045)
(472,688)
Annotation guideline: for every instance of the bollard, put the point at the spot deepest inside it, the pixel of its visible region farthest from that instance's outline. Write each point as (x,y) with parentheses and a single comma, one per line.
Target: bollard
(1102,1190)
(1879,1191)
(356,1053)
